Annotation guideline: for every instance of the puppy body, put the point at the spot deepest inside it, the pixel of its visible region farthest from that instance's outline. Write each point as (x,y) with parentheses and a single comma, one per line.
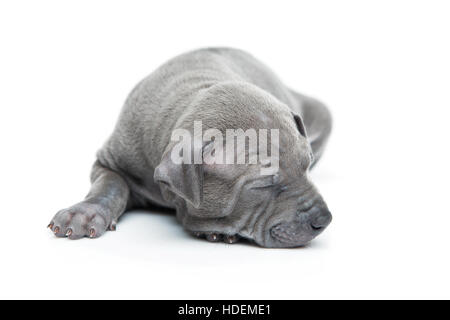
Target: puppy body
(224,88)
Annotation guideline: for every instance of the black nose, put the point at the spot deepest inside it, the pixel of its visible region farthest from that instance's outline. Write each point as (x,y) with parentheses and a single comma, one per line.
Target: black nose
(321,220)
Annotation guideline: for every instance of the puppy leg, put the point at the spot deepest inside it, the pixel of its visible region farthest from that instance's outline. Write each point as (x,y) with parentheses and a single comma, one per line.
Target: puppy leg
(100,210)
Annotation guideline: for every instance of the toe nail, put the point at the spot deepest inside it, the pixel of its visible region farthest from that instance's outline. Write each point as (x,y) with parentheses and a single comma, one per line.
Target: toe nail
(92,233)
(69,232)
(50,226)
(113,226)
(56,230)
(212,237)
(231,239)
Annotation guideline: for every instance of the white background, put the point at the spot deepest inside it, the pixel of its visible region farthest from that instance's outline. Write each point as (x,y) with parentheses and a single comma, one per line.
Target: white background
(383,67)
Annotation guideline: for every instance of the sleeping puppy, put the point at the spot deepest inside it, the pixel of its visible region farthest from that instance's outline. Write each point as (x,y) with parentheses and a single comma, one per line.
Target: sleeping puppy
(269,200)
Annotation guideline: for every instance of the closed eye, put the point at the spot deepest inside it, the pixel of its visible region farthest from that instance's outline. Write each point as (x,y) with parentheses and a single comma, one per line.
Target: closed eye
(276,188)
(264,187)
(272,183)
(265,182)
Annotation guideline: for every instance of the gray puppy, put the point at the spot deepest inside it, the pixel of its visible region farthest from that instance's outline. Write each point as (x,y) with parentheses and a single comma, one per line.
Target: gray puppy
(224,88)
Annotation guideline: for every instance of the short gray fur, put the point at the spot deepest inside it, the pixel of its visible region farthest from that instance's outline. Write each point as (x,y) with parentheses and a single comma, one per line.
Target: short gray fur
(224,88)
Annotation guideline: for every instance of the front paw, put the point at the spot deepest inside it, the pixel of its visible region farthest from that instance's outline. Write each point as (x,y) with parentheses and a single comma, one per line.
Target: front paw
(82,220)
(217,237)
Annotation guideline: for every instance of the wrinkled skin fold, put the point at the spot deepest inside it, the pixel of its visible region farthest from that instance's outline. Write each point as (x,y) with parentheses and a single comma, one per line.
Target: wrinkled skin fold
(223,88)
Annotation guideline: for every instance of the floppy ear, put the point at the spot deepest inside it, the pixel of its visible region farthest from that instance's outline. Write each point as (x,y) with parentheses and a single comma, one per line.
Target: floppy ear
(185,180)
(300,126)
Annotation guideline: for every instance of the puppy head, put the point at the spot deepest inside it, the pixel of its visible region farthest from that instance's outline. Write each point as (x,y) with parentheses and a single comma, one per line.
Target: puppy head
(275,206)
